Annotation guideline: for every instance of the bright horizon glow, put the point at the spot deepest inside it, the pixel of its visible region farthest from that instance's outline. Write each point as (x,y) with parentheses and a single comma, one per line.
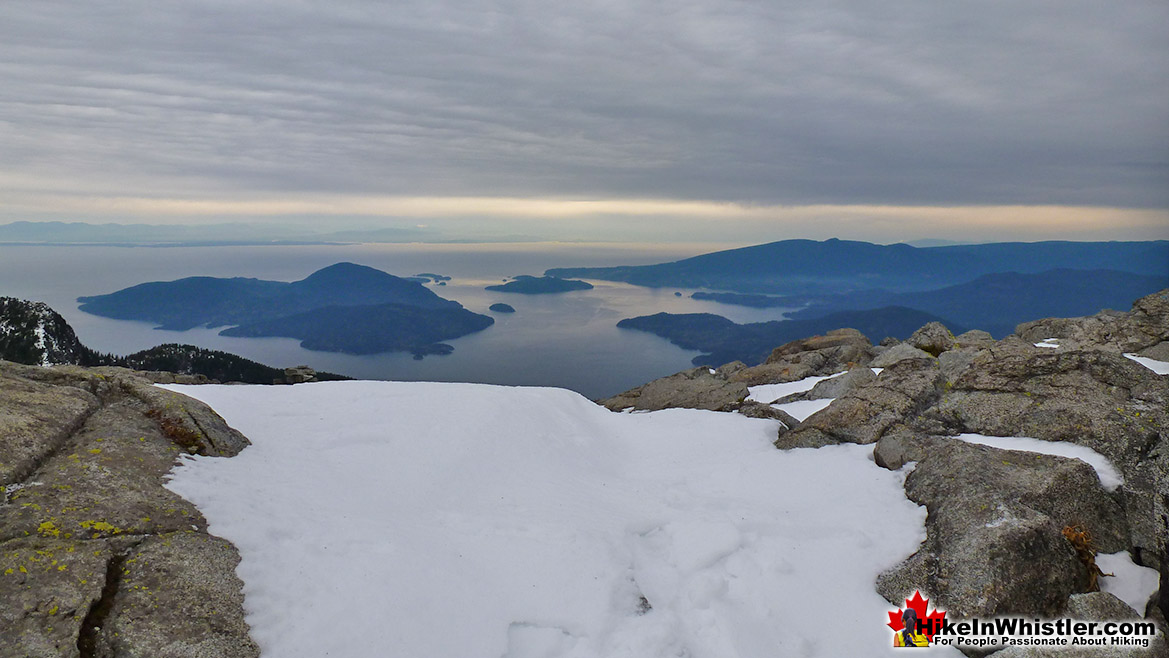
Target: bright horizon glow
(856,221)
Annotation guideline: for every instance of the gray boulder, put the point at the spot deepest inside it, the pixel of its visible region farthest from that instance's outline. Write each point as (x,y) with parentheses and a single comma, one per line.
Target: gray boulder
(753,409)
(899,446)
(898,352)
(829,354)
(842,385)
(902,391)
(697,388)
(954,362)
(933,338)
(1160,351)
(974,338)
(994,534)
(299,375)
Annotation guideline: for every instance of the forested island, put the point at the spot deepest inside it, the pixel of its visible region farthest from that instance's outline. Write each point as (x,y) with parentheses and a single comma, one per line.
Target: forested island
(342,308)
(544,285)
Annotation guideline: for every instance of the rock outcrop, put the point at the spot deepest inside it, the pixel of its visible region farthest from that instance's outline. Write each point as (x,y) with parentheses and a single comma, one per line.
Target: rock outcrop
(903,390)
(835,351)
(97,558)
(898,352)
(995,541)
(697,388)
(726,388)
(1094,398)
(933,338)
(1146,325)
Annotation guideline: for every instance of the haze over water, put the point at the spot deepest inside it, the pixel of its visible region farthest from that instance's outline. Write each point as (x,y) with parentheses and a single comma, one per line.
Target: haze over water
(568,340)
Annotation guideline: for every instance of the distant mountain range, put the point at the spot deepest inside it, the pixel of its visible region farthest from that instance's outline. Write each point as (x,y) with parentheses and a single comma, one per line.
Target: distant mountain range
(724,341)
(32,333)
(992,287)
(993,302)
(840,266)
(341,308)
(999,302)
(71,233)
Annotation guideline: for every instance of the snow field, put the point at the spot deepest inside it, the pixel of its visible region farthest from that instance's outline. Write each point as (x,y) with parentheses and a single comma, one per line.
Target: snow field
(418,519)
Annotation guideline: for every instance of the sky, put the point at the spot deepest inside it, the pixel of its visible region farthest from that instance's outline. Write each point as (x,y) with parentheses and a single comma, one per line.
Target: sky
(635,120)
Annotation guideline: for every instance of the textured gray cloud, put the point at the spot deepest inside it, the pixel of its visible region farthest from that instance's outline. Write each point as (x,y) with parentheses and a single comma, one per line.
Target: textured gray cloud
(838,101)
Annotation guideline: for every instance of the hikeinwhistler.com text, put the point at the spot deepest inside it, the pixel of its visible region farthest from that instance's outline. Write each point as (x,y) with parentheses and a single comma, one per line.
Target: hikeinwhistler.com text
(1017,631)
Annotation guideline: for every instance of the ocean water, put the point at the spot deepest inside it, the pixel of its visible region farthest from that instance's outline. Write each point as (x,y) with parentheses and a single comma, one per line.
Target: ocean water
(568,340)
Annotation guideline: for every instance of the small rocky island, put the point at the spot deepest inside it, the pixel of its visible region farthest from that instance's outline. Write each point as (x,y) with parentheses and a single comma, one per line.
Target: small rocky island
(342,308)
(542,285)
(500,307)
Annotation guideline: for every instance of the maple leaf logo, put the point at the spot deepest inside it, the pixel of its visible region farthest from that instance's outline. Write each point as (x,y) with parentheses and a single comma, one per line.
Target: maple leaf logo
(930,623)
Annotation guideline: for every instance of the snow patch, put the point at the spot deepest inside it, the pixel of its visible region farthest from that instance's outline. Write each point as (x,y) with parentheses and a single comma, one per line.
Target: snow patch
(767,393)
(1131,583)
(423,519)
(1110,478)
(1159,367)
(39,332)
(801,410)
(1051,343)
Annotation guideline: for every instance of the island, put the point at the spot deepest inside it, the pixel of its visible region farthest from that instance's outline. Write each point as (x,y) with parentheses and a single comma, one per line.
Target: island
(342,308)
(543,285)
(429,277)
(500,307)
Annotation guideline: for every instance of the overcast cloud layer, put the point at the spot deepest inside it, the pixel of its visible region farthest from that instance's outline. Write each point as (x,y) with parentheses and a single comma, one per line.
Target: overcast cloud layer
(1020,102)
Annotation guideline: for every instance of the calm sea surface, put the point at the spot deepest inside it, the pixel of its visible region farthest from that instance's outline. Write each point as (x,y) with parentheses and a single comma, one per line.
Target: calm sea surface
(568,340)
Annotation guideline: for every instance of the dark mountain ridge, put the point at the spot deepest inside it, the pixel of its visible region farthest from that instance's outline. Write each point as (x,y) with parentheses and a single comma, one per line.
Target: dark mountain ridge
(997,303)
(836,266)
